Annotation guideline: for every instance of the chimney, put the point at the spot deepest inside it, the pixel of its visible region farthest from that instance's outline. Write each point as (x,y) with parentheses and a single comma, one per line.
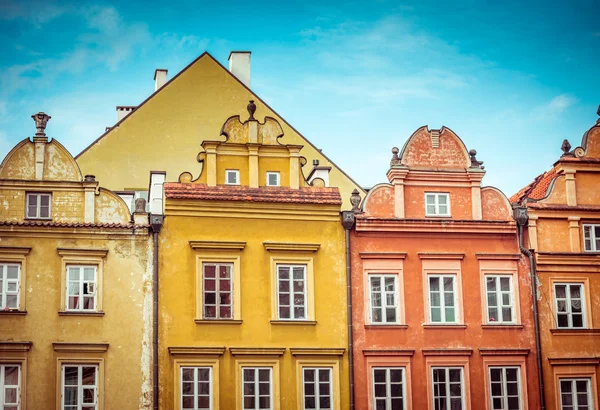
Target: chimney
(124,110)
(160,78)
(239,65)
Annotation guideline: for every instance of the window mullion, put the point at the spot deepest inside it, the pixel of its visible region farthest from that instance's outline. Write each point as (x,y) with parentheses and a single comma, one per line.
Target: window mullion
(79,386)
(1,385)
(196,386)
(388,388)
(80,288)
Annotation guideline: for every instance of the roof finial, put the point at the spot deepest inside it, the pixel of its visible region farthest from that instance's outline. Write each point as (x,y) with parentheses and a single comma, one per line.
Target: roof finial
(355,201)
(395,158)
(565,147)
(41,119)
(598,112)
(474,162)
(251,109)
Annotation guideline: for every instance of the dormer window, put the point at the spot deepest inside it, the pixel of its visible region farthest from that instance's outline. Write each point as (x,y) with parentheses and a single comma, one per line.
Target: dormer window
(39,205)
(232,177)
(273,179)
(591,238)
(437,204)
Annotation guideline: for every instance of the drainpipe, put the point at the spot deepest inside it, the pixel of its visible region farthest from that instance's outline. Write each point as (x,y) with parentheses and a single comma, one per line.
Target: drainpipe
(156,222)
(520,215)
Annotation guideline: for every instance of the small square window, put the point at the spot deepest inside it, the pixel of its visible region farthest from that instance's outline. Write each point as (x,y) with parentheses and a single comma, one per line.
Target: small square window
(39,205)
(591,238)
(437,204)
(232,177)
(273,179)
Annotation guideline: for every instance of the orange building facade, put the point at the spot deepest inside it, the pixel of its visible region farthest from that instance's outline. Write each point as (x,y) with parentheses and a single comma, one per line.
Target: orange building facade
(563,231)
(441,295)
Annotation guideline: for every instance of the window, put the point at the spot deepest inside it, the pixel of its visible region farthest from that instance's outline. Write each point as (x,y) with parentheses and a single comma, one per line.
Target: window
(291,292)
(272,178)
(217,286)
(79,387)
(317,388)
(505,388)
(500,308)
(384,299)
(575,394)
(591,238)
(232,177)
(39,206)
(569,305)
(448,388)
(437,204)
(442,298)
(196,388)
(388,388)
(10,275)
(81,288)
(10,387)
(256,388)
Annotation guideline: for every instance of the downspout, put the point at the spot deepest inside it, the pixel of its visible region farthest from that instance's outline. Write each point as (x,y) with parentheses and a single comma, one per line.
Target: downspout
(520,215)
(156,222)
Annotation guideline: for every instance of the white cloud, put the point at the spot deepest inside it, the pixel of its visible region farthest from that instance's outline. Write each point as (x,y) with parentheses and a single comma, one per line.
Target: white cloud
(561,102)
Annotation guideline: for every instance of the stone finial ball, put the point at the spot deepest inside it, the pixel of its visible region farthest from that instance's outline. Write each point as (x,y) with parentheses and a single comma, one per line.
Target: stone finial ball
(472,152)
(395,150)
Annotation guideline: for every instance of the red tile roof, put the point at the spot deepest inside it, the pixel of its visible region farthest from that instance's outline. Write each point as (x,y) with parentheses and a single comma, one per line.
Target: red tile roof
(537,189)
(53,224)
(305,195)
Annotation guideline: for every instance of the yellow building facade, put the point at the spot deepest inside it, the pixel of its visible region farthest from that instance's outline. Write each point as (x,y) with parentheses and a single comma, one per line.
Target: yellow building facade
(252,278)
(75,286)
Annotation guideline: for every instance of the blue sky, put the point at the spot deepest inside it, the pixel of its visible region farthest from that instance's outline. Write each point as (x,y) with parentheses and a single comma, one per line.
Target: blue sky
(512,79)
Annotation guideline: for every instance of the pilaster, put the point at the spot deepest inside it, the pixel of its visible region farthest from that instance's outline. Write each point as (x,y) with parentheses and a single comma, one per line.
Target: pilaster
(574,234)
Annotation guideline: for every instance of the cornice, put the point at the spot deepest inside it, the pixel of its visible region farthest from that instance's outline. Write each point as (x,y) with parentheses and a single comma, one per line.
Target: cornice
(569,361)
(78,252)
(14,250)
(497,256)
(316,351)
(435,226)
(257,351)
(15,346)
(388,352)
(503,352)
(447,352)
(382,255)
(217,245)
(134,233)
(563,259)
(46,185)
(440,255)
(65,347)
(291,247)
(196,350)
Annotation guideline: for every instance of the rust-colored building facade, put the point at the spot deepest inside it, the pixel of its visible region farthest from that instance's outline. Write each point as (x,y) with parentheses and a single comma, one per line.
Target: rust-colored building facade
(563,231)
(441,293)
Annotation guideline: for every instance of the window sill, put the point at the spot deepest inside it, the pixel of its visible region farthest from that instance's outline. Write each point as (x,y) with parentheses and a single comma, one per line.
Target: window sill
(218,322)
(575,332)
(294,322)
(502,326)
(442,326)
(68,313)
(385,326)
(438,216)
(13,312)
(37,219)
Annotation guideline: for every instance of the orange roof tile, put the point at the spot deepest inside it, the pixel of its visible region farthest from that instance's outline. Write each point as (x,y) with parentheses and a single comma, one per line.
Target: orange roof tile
(537,189)
(53,224)
(305,195)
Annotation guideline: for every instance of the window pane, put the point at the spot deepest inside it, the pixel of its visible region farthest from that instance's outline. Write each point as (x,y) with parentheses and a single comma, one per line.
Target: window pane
(88,376)
(44,212)
(448,284)
(44,200)
(434,284)
(575,291)
(443,209)
(11,376)
(89,273)
(561,291)
(12,272)
(430,199)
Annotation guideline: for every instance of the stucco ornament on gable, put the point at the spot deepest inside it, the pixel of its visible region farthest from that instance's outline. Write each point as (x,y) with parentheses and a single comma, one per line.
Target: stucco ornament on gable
(590,143)
(435,149)
(251,130)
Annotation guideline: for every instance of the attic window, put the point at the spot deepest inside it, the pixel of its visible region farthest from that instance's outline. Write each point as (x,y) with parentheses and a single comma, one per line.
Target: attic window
(272,178)
(232,177)
(39,205)
(437,204)
(591,238)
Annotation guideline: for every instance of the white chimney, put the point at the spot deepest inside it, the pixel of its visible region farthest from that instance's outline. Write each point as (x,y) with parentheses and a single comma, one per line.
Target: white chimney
(239,65)
(160,78)
(124,110)
(156,191)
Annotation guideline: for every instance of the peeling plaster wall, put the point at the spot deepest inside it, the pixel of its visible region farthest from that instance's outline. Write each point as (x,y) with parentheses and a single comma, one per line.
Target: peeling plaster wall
(381,202)
(494,206)
(109,208)
(59,165)
(18,162)
(12,204)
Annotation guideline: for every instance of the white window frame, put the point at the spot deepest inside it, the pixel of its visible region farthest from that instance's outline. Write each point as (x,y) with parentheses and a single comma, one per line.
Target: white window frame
(388,386)
(316,382)
(592,237)
(39,196)
(574,392)
(436,203)
(441,291)
(217,291)
(4,292)
(236,172)
(277,175)
(81,282)
(383,293)
(257,387)
(567,300)
(291,291)
(499,299)
(195,393)
(80,387)
(4,386)
(447,397)
(504,382)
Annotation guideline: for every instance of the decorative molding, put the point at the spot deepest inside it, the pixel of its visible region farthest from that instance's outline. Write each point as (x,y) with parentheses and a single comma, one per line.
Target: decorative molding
(502,327)
(15,346)
(291,247)
(503,352)
(196,350)
(294,322)
(364,224)
(382,255)
(447,352)
(432,326)
(80,313)
(570,361)
(385,327)
(498,256)
(13,312)
(78,252)
(217,322)
(257,351)
(388,352)
(440,255)
(14,250)
(575,332)
(317,351)
(217,245)
(67,347)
